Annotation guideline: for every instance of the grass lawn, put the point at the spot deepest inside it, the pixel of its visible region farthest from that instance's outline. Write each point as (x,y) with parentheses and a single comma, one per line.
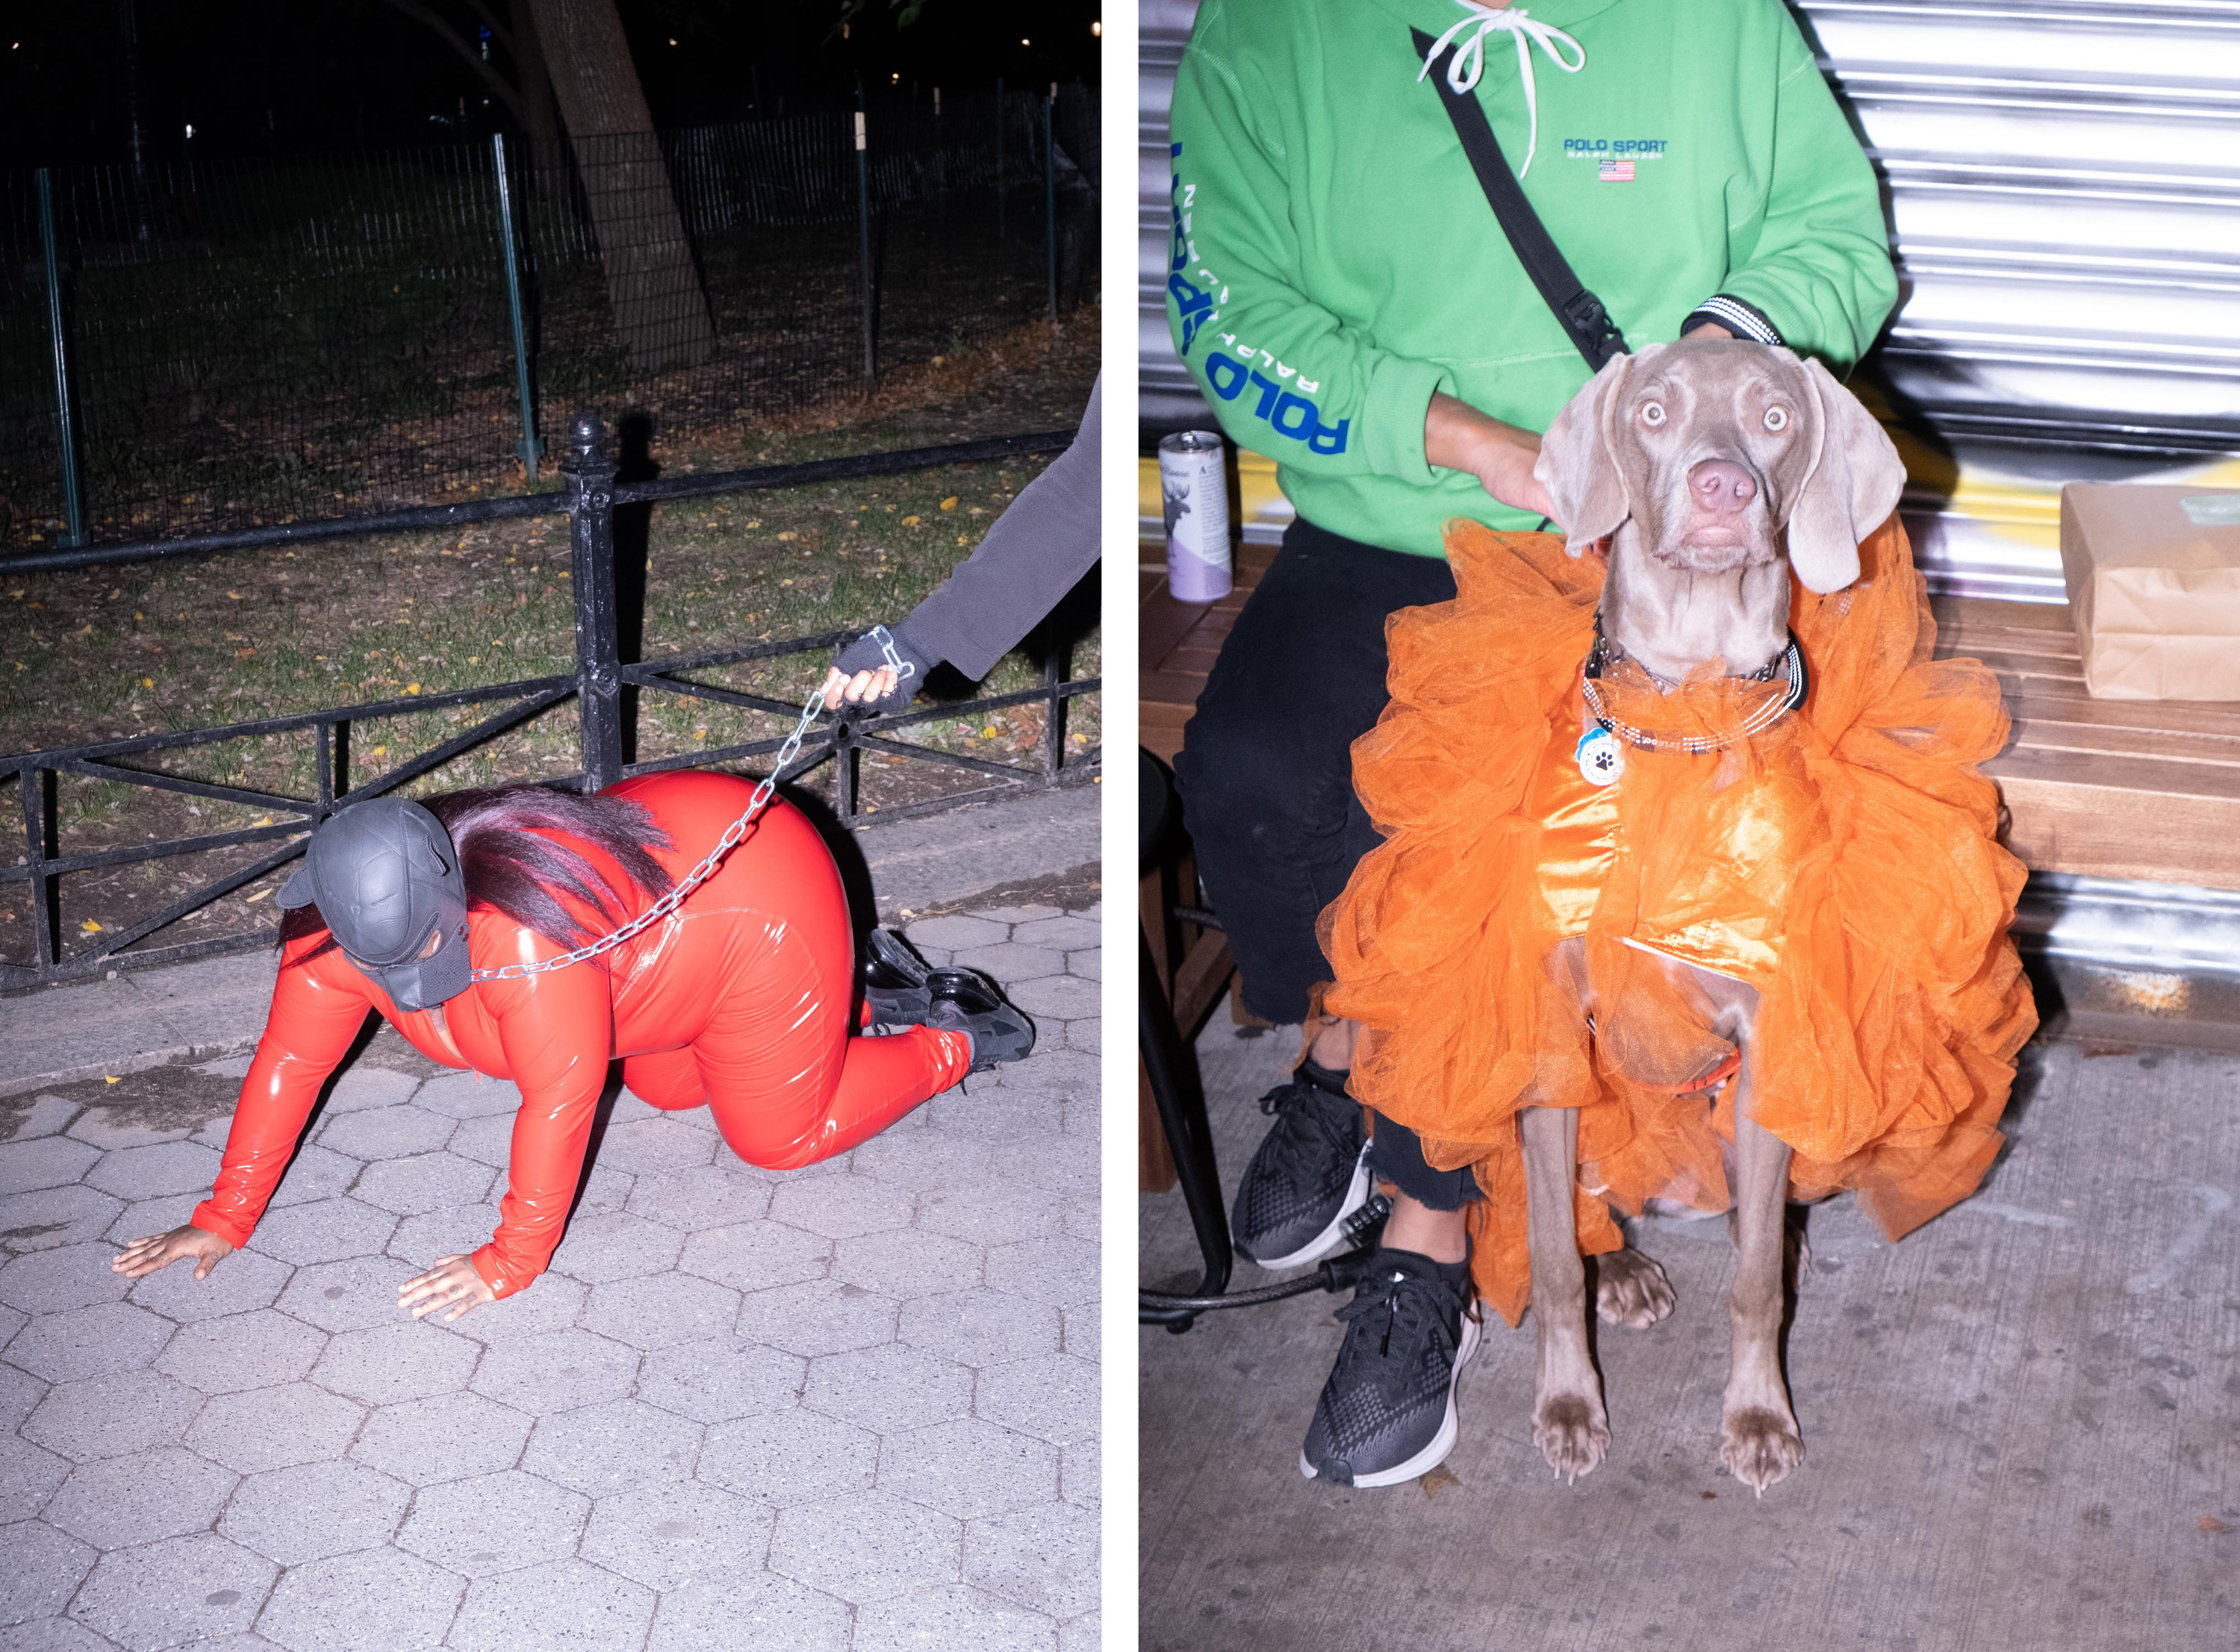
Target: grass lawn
(151,648)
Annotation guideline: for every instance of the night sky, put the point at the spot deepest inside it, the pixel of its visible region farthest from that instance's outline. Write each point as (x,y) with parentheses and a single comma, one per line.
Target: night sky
(265,76)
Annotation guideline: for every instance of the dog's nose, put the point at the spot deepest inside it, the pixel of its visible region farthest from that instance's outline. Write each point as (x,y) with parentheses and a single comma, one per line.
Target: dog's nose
(1722,487)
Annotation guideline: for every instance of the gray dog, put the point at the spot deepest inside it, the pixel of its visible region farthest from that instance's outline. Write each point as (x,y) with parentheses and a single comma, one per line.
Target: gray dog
(1702,463)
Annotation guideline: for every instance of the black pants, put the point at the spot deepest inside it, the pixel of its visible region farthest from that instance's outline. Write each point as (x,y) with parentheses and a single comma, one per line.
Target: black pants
(1266,775)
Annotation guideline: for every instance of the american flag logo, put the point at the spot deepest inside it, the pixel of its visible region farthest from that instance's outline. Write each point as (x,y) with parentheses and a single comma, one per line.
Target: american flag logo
(1617,172)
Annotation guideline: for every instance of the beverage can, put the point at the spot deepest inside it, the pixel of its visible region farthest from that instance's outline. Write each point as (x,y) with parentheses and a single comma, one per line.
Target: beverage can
(1194,497)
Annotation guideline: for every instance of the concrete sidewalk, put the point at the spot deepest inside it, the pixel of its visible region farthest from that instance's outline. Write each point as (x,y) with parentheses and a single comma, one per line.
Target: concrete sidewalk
(2022,1424)
(853,1406)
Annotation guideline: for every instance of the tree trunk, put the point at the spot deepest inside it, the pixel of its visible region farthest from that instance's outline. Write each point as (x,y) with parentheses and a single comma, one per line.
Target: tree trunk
(540,112)
(661,315)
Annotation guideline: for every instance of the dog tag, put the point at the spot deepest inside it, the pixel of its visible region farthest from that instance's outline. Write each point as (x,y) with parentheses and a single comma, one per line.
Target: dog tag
(1600,758)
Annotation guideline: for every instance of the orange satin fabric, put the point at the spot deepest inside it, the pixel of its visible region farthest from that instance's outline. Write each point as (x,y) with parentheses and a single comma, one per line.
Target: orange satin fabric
(741,999)
(1843,864)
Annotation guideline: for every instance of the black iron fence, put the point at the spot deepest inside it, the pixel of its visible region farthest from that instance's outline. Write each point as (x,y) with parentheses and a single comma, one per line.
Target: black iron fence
(603,687)
(211,345)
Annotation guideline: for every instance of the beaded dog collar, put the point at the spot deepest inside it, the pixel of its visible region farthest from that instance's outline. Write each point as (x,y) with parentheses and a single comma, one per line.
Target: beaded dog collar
(1789,662)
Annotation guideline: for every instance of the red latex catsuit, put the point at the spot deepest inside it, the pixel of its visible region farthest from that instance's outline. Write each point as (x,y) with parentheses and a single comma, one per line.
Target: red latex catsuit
(740,999)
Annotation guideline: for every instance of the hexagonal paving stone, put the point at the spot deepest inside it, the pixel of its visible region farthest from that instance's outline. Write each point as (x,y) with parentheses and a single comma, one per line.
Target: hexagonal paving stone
(315,1173)
(253,1350)
(818,1317)
(655,1146)
(1011,962)
(350,1296)
(721,1379)
(601,1449)
(1086,1036)
(746,1607)
(326,1231)
(455,1230)
(605,1188)
(47,1162)
(789,1457)
(908,1263)
(427,1182)
(386,1132)
(954,932)
(151,1172)
(923,1158)
(1059,998)
(494,1523)
(1062,1163)
(556,1371)
(661,1310)
(1081,1476)
(241,1283)
(52,1281)
(404,1361)
(47,1218)
(603,1245)
(28,1475)
(451,1437)
(752,1256)
(44,1568)
(1057,1269)
(467,1096)
(887,1388)
(1044,1558)
(601,1611)
(958,1616)
(111,1416)
(486,1141)
(840,1207)
(363,1087)
(123,1500)
(1054,1396)
(46,1116)
(377,1600)
(274,1428)
(183,1589)
(552,1302)
(89,1341)
(991,1214)
(866,1546)
(663,1536)
(19,1390)
(1083,1634)
(53,1635)
(1066,1074)
(144,1216)
(997,1115)
(707,1196)
(968,1467)
(1084,1332)
(1067,934)
(314,1510)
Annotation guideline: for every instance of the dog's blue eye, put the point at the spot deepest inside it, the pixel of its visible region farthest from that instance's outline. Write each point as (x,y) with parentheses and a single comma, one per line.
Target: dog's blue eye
(1652,413)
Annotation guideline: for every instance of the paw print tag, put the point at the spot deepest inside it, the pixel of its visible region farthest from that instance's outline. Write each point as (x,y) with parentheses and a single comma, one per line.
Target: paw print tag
(1602,760)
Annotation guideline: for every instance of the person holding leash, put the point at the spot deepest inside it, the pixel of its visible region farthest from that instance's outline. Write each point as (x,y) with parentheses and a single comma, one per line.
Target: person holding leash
(1341,288)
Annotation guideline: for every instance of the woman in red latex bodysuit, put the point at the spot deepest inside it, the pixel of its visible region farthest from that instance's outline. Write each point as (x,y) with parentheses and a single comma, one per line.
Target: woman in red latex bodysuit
(742,999)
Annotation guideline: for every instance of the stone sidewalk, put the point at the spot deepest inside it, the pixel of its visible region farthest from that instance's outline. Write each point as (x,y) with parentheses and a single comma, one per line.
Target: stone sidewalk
(850,1407)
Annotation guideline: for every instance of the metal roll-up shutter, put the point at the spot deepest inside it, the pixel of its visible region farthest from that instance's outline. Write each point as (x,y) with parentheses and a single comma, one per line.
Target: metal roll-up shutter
(2064,187)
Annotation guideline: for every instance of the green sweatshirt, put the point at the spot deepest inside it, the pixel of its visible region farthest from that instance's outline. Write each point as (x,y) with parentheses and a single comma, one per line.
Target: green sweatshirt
(1334,261)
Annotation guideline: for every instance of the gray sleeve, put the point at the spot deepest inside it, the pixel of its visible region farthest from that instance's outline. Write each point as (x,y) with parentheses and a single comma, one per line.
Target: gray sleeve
(1033,554)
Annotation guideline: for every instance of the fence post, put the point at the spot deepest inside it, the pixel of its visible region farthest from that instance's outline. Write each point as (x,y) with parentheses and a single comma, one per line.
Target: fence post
(66,430)
(528,447)
(1050,197)
(864,245)
(589,470)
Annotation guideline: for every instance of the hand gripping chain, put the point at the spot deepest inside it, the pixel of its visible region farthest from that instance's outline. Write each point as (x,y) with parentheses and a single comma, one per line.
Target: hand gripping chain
(700,874)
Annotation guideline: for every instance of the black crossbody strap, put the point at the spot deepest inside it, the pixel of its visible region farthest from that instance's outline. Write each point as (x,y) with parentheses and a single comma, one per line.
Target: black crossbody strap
(1585,320)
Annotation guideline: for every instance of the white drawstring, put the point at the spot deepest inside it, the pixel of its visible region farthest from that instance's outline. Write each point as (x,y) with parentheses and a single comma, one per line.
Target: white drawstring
(1468,61)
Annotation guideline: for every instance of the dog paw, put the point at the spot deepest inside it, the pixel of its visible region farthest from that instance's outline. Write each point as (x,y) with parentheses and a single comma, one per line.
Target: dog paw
(1572,1432)
(1631,1289)
(1759,1447)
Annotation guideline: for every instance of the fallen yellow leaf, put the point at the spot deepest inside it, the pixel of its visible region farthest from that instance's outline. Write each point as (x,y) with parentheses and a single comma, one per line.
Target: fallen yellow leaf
(90,927)
(112,1078)
(254,899)
(949,503)
(412,688)
(147,682)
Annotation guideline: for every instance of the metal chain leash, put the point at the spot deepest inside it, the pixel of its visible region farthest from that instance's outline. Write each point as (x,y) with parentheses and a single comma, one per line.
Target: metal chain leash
(661,908)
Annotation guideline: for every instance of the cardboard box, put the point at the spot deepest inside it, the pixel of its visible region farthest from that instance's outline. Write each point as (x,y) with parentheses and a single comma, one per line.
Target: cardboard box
(2154,588)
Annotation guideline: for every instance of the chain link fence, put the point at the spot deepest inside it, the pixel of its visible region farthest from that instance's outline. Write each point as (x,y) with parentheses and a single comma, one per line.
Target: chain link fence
(229,343)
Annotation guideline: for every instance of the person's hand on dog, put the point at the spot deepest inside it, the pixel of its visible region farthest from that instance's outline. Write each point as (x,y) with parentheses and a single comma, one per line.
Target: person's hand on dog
(1457,436)
(159,1250)
(862,675)
(452,1283)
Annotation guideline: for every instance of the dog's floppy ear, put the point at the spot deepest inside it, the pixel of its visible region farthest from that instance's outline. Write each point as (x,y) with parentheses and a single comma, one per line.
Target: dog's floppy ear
(1853,483)
(1584,478)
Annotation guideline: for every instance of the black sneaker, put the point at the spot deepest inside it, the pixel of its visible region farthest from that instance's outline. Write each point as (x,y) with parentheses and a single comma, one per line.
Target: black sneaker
(894,981)
(1387,1414)
(1309,1175)
(967,1002)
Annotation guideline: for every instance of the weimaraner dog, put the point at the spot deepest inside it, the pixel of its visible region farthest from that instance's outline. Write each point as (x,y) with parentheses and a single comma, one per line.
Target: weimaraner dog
(1703,463)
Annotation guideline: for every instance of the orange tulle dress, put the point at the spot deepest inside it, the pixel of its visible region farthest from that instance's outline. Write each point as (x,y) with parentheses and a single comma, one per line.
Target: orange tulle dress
(1842,862)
